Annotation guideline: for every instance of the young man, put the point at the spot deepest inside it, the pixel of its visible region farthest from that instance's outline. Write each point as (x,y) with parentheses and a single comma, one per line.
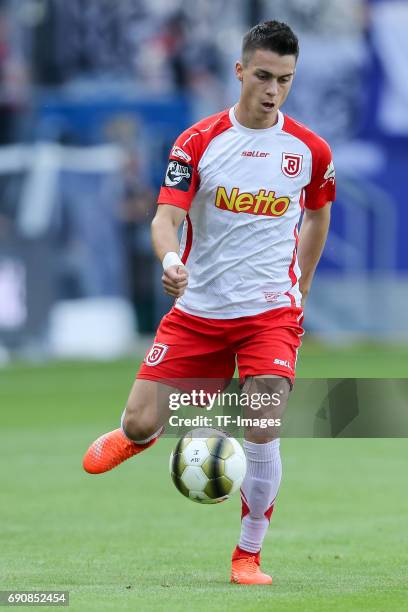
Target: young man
(239,181)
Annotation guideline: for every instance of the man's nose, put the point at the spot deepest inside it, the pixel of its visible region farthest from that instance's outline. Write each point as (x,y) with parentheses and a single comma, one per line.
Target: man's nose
(272,88)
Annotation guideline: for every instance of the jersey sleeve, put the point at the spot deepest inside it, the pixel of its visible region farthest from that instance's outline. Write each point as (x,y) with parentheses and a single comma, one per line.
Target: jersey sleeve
(322,186)
(181,180)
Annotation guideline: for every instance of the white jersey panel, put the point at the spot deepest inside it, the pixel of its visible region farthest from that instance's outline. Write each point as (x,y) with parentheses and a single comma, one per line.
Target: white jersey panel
(242,254)
(244,190)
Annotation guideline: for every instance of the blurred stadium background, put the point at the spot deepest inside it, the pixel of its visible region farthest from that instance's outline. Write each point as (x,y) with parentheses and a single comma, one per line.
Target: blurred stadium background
(92,95)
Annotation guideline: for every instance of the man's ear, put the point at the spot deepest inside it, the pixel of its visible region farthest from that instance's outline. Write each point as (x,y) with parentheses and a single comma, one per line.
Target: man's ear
(239,71)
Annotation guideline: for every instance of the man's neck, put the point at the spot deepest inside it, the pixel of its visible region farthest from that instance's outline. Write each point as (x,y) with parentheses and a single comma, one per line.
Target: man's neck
(249,120)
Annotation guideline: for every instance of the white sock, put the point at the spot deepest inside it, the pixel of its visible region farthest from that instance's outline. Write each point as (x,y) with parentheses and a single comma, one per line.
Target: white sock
(258,492)
(138,441)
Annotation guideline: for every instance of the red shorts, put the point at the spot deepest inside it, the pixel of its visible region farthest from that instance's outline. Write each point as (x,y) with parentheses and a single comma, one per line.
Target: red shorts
(190,347)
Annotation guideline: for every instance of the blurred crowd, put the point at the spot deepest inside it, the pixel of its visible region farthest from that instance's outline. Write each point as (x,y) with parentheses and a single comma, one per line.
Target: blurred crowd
(133,74)
(155,47)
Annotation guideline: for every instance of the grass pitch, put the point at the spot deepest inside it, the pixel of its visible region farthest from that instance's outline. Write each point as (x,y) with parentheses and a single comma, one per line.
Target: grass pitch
(127,540)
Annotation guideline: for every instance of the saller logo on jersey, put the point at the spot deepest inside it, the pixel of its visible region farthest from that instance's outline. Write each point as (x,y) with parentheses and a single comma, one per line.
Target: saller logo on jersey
(292,164)
(263,203)
(178,176)
(156,354)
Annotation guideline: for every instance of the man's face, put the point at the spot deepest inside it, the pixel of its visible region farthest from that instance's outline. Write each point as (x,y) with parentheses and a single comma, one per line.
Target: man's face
(266,81)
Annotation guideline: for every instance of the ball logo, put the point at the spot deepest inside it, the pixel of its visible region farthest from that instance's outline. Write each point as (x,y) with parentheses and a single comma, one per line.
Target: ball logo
(292,164)
(156,354)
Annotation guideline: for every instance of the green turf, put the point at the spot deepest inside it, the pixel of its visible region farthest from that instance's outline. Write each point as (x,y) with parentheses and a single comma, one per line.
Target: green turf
(127,540)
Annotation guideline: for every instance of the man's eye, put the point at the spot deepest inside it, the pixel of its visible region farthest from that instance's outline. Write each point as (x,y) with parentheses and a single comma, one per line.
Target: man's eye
(261,77)
(284,80)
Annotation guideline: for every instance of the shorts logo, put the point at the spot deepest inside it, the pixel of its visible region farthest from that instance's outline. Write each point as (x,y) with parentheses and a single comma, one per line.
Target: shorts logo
(177,152)
(156,354)
(292,164)
(178,176)
(282,362)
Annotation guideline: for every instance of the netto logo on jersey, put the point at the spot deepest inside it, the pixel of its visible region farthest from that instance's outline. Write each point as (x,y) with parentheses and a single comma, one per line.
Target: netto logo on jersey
(263,203)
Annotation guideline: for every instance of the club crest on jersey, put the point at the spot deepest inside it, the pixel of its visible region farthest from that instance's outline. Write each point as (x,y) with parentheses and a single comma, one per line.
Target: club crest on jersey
(177,152)
(178,176)
(156,354)
(292,164)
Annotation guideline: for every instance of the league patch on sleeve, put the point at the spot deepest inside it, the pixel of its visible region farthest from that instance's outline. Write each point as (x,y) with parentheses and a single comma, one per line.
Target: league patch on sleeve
(178,176)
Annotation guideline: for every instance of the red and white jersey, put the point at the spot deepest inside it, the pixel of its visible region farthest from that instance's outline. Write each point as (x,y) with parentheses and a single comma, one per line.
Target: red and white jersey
(244,190)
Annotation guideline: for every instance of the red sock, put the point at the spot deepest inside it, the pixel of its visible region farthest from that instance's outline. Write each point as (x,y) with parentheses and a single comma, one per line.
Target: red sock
(239,553)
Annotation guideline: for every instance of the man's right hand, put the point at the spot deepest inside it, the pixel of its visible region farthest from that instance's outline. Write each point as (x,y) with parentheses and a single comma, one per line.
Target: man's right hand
(175,280)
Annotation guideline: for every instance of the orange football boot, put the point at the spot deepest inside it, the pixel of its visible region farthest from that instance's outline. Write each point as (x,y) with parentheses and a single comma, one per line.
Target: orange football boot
(110,450)
(245,568)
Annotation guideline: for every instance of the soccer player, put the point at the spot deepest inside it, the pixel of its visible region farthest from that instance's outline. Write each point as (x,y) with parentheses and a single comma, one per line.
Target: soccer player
(239,180)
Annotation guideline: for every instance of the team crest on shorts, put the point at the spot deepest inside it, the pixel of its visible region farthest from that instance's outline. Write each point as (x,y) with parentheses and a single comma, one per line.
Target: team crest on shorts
(292,164)
(156,354)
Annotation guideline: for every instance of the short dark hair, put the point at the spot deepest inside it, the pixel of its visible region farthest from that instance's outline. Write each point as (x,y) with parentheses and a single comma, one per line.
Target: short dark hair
(272,35)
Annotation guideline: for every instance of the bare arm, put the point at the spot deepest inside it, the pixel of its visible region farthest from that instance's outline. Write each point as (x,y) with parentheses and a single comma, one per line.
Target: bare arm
(312,238)
(165,226)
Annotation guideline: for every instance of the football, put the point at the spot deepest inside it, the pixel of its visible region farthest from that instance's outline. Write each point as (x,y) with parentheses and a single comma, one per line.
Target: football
(207,466)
